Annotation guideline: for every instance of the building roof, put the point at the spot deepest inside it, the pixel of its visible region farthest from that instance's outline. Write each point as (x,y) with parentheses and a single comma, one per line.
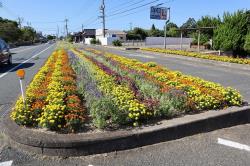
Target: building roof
(116,32)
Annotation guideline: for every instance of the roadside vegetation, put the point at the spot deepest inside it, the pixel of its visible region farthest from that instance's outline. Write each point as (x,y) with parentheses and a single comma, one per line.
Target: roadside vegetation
(200,55)
(16,35)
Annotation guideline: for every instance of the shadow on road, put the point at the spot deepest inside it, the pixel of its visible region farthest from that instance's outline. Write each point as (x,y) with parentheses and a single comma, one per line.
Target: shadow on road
(4,68)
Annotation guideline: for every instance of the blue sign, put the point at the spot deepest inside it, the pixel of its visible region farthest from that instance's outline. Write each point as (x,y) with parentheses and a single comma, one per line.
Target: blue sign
(158,13)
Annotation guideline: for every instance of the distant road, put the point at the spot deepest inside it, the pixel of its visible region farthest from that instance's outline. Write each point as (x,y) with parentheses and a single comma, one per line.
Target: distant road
(29,58)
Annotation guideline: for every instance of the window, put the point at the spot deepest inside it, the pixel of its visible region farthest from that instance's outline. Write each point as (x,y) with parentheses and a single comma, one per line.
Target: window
(1,44)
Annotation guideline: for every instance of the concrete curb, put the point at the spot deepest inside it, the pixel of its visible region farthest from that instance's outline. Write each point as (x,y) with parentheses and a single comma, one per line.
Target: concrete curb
(53,144)
(204,61)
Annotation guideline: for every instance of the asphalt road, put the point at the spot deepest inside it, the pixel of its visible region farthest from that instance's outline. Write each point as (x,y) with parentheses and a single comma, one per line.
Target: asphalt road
(29,58)
(226,76)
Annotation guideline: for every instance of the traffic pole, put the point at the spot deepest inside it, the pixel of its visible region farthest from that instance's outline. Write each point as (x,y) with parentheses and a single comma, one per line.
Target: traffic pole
(21,85)
(21,74)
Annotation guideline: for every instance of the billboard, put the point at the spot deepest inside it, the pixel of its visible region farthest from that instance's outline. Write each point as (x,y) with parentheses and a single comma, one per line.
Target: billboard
(158,13)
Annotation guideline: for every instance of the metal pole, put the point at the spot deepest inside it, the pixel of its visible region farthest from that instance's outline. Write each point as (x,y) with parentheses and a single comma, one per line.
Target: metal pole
(21,85)
(66,26)
(181,39)
(199,36)
(103,17)
(165,33)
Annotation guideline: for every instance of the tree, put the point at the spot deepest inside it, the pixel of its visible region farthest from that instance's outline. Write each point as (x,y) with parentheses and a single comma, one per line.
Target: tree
(173,32)
(51,37)
(28,34)
(231,35)
(247,43)
(9,30)
(208,21)
(190,23)
(171,25)
(153,27)
(154,32)
(137,34)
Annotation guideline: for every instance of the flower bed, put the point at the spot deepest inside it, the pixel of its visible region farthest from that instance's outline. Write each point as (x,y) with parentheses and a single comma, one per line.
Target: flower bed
(115,90)
(52,99)
(205,95)
(199,55)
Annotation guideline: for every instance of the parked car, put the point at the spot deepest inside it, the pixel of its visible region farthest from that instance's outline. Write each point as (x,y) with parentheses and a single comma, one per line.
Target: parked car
(5,55)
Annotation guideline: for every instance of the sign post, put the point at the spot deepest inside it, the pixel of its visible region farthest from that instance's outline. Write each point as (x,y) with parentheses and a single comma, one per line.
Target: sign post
(20,74)
(161,13)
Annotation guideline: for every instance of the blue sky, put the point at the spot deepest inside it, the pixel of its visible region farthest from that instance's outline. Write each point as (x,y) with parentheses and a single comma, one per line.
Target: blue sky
(46,15)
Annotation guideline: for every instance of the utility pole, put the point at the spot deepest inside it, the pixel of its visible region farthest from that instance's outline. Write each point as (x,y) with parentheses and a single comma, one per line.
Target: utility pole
(57,34)
(102,9)
(82,34)
(66,26)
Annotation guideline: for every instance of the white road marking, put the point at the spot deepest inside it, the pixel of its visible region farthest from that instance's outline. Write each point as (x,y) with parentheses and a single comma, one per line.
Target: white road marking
(4,74)
(233,144)
(6,163)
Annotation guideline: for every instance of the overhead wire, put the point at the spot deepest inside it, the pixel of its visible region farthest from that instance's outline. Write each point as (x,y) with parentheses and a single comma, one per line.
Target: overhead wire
(126,6)
(134,8)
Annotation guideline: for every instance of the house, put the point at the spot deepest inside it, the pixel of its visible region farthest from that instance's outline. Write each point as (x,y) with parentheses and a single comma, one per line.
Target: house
(110,36)
(120,35)
(81,36)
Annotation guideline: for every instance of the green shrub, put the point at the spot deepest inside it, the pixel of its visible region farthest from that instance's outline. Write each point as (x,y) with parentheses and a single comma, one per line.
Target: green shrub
(117,43)
(93,41)
(98,42)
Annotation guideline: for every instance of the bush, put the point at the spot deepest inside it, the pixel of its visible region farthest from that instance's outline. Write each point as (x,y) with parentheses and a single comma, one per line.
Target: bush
(117,43)
(98,42)
(94,41)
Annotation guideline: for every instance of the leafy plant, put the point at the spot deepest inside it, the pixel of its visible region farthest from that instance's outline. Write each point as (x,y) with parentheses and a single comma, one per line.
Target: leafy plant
(117,43)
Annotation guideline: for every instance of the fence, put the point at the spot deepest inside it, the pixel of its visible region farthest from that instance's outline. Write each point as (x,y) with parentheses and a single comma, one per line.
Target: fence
(133,43)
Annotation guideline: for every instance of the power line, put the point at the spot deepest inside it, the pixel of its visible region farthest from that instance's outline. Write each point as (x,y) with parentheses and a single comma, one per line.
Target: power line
(119,17)
(124,7)
(48,22)
(127,10)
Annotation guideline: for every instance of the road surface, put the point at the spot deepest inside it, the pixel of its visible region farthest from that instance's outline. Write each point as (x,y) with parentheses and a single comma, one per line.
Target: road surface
(29,58)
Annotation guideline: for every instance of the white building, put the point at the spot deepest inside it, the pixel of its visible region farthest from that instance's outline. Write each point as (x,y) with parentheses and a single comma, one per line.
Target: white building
(110,36)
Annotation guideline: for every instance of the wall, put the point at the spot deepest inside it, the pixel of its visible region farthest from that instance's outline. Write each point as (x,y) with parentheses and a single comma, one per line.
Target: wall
(170,41)
(87,40)
(107,40)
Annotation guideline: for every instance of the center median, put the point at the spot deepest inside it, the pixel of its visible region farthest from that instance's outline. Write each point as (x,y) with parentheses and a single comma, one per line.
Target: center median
(54,144)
